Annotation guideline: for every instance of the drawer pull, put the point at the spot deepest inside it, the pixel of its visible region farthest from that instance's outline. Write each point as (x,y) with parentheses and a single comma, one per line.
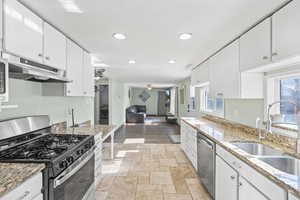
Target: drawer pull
(26,193)
(240,184)
(232,177)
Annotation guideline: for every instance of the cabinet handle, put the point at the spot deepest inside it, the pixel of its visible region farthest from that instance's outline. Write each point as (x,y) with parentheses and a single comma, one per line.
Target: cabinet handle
(47,58)
(84,93)
(240,184)
(232,177)
(274,54)
(40,55)
(26,193)
(69,91)
(265,57)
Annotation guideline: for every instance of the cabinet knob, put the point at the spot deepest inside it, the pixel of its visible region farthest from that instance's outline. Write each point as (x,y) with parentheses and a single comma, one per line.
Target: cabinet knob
(232,177)
(240,184)
(40,55)
(265,58)
(47,58)
(69,91)
(274,54)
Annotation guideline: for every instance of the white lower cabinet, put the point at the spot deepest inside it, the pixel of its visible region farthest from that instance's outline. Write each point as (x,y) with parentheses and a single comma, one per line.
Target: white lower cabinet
(226,181)
(247,191)
(189,142)
(98,158)
(31,189)
(250,183)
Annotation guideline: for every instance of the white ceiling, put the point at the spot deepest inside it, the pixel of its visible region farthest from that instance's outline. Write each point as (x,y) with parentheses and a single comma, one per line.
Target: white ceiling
(153,27)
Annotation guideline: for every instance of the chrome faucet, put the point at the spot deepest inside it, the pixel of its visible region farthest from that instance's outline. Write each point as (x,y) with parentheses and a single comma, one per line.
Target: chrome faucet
(270,122)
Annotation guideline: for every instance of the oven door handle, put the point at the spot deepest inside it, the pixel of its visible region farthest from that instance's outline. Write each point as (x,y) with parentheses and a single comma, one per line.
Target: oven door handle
(66,175)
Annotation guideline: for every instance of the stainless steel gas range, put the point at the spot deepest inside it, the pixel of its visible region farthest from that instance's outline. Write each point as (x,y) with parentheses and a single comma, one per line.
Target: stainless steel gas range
(69,159)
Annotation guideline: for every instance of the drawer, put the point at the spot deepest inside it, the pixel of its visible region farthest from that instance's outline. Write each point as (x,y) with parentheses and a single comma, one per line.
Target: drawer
(262,183)
(27,190)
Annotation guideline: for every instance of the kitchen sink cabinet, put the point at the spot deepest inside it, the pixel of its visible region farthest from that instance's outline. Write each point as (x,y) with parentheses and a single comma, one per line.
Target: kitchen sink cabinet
(286,31)
(255,46)
(257,184)
(189,142)
(23,31)
(55,45)
(226,181)
(74,69)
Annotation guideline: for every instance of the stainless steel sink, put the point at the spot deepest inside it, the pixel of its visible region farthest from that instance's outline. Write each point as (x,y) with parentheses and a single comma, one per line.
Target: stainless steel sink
(285,164)
(257,149)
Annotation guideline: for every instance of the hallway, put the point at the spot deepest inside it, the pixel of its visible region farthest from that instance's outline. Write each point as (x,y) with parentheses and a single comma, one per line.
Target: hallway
(149,172)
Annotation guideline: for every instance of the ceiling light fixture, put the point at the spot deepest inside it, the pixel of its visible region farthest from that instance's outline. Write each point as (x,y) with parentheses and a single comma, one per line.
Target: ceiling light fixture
(185,36)
(172,62)
(149,87)
(120,36)
(70,6)
(131,62)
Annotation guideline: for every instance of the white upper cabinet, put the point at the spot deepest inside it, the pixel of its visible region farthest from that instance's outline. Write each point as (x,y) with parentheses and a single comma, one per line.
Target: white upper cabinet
(200,75)
(74,69)
(226,181)
(286,31)
(247,191)
(55,45)
(88,75)
(23,31)
(224,72)
(255,46)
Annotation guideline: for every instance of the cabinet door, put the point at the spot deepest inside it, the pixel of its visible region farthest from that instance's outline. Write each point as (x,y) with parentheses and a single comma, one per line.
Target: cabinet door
(88,76)
(23,32)
(224,73)
(255,46)
(226,181)
(74,69)
(286,31)
(247,191)
(55,47)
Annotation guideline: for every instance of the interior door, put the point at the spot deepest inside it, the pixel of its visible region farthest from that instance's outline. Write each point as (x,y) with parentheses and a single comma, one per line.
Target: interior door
(55,47)
(162,101)
(23,31)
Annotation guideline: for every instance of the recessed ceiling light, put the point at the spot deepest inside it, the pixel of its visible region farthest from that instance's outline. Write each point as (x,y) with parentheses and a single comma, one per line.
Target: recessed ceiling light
(120,36)
(185,36)
(131,62)
(172,62)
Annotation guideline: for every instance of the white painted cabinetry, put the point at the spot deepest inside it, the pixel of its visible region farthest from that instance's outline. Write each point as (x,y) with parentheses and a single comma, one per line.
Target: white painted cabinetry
(286,31)
(247,191)
(226,181)
(98,158)
(293,197)
(29,190)
(88,75)
(189,142)
(74,69)
(200,75)
(255,46)
(55,46)
(23,31)
(224,73)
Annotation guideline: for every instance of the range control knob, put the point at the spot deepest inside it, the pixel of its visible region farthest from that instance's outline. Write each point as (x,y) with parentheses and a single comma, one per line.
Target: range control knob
(63,164)
(70,159)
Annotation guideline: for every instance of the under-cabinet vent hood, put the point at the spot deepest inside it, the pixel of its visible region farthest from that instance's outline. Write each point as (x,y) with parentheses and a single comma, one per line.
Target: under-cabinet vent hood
(21,68)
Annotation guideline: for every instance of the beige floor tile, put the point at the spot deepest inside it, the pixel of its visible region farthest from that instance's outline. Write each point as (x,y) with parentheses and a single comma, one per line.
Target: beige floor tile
(149,195)
(101,195)
(160,178)
(177,197)
(168,162)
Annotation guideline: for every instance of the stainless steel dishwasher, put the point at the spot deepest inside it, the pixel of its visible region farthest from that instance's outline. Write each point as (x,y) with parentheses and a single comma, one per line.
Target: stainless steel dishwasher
(206,163)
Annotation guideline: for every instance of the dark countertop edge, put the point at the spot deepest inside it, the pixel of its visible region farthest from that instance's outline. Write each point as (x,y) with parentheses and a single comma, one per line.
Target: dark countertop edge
(262,171)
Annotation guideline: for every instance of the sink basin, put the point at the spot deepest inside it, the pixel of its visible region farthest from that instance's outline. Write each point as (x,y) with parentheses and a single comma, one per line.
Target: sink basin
(285,164)
(257,149)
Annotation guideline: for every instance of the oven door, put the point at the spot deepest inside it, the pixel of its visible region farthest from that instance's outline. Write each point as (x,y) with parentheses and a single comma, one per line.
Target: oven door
(3,81)
(76,182)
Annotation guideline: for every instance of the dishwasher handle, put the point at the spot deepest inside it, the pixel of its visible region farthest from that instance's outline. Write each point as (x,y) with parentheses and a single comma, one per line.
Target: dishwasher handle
(206,142)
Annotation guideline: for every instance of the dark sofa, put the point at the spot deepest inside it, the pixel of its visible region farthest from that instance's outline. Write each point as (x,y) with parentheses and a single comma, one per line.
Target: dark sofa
(136,114)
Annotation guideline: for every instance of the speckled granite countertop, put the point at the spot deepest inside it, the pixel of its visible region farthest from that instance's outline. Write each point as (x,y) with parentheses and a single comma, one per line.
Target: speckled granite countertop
(88,130)
(224,135)
(14,174)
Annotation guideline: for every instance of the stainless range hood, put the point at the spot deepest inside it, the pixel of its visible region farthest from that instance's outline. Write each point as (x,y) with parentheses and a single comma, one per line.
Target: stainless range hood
(21,68)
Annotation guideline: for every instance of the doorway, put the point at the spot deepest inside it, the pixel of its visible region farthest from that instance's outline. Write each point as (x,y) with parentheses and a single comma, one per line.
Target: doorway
(102,105)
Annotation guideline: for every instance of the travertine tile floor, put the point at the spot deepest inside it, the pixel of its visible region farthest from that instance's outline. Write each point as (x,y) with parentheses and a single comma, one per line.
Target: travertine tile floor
(149,172)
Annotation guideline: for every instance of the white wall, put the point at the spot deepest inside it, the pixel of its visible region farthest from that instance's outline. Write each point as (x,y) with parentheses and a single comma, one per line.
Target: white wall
(151,104)
(118,102)
(28,96)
